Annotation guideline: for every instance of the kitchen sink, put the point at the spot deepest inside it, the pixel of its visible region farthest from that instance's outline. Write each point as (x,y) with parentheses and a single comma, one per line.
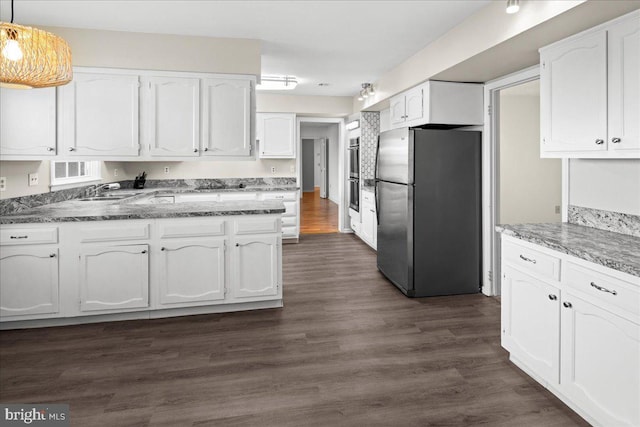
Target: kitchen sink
(99,199)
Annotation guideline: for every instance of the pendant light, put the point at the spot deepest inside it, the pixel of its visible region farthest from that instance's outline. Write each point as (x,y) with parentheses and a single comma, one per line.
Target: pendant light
(32,58)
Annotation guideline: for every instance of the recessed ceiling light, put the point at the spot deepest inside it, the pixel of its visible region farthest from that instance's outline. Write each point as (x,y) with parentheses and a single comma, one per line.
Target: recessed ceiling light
(323,84)
(513,6)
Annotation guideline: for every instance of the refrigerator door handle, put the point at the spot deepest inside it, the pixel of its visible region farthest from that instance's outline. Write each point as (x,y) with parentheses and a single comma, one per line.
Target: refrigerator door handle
(375,196)
(375,166)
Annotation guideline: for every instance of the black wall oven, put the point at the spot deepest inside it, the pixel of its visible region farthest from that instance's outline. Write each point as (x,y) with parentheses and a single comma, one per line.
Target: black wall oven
(354,174)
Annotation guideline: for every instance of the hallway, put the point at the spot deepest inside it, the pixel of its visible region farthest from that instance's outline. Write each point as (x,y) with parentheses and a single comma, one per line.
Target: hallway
(318,215)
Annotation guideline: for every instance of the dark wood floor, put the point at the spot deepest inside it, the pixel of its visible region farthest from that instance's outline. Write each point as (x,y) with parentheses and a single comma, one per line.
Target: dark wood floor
(346,350)
(317,215)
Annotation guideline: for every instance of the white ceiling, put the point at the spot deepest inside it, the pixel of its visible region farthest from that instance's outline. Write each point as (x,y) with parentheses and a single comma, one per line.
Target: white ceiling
(343,43)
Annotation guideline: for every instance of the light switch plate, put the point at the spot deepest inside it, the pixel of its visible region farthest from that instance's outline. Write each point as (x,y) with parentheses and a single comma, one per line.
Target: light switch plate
(33,179)
(3,183)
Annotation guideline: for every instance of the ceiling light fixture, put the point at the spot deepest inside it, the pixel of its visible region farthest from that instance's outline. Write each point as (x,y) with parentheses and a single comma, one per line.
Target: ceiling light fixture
(32,58)
(513,6)
(367,90)
(277,83)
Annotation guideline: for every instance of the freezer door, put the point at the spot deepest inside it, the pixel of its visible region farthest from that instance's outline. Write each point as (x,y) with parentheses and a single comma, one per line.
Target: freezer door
(394,259)
(394,162)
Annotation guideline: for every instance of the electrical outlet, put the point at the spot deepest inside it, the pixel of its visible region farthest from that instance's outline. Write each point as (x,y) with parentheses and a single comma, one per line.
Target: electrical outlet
(293,169)
(557,209)
(166,169)
(33,179)
(3,183)
(115,172)
(273,169)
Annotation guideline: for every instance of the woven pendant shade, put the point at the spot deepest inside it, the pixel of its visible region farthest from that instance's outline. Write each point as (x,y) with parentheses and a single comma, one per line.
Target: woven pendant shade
(32,58)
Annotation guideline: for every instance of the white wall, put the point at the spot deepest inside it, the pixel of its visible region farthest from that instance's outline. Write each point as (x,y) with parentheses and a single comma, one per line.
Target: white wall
(330,131)
(17,174)
(611,185)
(530,187)
(213,169)
(317,176)
(118,49)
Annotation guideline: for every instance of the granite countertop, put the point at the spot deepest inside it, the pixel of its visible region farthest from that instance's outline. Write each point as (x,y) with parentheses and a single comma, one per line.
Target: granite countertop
(614,250)
(77,210)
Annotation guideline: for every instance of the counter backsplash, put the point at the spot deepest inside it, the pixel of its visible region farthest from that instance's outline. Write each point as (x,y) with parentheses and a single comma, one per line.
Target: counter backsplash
(19,204)
(605,220)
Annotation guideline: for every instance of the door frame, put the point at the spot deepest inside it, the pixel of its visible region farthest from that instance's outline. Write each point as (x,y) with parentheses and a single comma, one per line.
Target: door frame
(343,213)
(491,272)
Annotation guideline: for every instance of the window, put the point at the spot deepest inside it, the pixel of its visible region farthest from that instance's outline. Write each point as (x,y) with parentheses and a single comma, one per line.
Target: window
(73,174)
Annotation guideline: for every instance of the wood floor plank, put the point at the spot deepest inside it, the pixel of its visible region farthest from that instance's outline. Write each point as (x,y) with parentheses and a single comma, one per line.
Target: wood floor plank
(317,215)
(347,349)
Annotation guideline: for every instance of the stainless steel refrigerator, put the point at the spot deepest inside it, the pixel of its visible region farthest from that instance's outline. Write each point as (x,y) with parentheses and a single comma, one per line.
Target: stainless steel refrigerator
(428,200)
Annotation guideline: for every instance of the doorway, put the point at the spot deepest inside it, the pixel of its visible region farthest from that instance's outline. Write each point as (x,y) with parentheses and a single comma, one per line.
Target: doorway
(520,187)
(319,169)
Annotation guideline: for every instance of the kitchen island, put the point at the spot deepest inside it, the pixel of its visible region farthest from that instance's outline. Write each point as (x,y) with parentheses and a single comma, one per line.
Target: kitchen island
(134,257)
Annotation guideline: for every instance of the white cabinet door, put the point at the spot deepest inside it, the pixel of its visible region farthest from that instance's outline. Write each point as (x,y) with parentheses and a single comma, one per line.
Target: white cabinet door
(414,104)
(368,228)
(256,260)
(397,110)
(600,362)
(28,281)
(172,106)
(226,117)
(276,135)
(192,271)
(114,277)
(624,85)
(28,122)
(100,115)
(531,323)
(573,95)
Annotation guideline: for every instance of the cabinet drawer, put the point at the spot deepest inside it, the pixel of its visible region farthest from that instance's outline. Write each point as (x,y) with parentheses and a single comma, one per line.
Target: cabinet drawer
(113,232)
(28,236)
(546,266)
(224,197)
(191,228)
(289,221)
(279,196)
(291,209)
(288,232)
(602,287)
(258,225)
(368,196)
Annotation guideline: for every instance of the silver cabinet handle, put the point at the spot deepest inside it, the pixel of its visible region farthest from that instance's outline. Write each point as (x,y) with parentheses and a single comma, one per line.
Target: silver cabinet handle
(72,149)
(567,304)
(50,149)
(52,255)
(195,150)
(144,251)
(524,258)
(163,248)
(600,288)
(19,237)
(553,297)
(599,141)
(616,140)
(206,148)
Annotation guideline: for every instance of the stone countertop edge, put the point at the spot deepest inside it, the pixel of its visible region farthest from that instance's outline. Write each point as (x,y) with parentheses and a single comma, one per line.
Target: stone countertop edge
(617,251)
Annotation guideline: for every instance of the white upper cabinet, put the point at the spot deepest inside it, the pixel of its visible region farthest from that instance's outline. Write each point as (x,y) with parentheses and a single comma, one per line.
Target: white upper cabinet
(27,123)
(276,135)
(624,85)
(226,119)
(99,115)
(436,102)
(172,109)
(590,93)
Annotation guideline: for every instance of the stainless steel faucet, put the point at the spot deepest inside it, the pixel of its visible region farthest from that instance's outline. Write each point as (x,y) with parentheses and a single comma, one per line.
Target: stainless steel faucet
(96,189)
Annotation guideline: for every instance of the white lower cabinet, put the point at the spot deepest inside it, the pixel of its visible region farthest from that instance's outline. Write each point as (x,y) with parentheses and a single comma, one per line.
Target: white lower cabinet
(28,281)
(168,266)
(192,271)
(600,362)
(114,277)
(536,344)
(255,267)
(368,228)
(579,335)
